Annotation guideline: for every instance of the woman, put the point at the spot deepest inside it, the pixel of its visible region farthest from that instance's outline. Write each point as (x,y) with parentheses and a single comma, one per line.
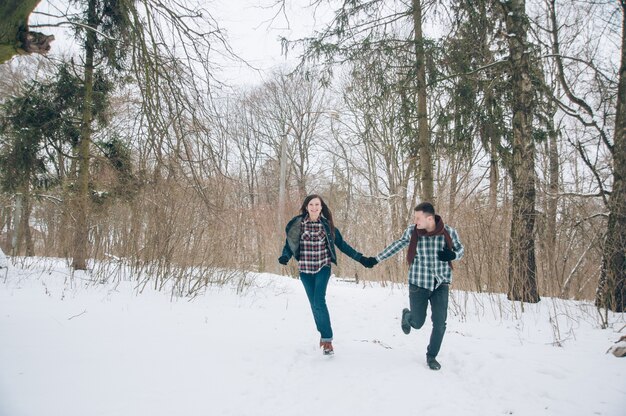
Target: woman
(311,240)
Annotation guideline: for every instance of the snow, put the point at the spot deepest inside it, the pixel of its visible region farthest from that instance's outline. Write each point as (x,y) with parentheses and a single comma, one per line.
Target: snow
(71,346)
(3,260)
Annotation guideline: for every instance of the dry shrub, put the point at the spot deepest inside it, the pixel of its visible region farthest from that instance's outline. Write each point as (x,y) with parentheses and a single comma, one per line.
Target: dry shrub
(189,235)
(484,233)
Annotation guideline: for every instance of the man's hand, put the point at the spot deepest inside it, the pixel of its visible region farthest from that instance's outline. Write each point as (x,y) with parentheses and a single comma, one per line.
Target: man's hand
(283,260)
(368,262)
(446,254)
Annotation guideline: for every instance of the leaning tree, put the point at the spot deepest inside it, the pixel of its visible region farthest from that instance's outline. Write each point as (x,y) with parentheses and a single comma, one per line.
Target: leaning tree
(15,36)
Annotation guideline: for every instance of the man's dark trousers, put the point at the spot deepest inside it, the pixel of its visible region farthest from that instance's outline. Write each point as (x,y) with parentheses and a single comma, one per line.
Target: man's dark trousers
(419,298)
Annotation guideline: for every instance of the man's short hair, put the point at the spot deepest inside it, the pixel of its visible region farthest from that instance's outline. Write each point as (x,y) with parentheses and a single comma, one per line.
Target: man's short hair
(426,207)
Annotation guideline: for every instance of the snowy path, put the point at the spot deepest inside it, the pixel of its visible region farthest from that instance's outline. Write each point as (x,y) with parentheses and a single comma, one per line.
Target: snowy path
(104,350)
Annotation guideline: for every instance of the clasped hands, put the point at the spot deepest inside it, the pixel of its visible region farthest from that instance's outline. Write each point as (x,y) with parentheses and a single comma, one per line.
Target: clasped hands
(368,262)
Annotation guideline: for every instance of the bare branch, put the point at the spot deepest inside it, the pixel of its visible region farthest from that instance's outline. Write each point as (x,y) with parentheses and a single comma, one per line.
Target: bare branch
(579,195)
(600,214)
(84,26)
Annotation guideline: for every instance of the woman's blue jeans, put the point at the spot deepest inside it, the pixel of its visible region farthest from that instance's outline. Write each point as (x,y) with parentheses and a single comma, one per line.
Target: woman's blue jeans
(315,286)
(419,299)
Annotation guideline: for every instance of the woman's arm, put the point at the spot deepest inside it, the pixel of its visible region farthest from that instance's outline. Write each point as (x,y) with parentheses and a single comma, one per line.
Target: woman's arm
(292,231)
(286,250)
(342,245)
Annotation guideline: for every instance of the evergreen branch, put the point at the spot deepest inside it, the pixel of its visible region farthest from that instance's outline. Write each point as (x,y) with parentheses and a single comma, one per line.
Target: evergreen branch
(475,71)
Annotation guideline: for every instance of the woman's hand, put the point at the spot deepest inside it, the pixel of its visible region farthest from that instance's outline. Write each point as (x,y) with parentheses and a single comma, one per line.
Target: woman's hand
(368,262)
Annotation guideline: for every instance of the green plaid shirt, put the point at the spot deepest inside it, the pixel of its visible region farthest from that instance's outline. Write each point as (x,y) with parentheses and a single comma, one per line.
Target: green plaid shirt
(426,271)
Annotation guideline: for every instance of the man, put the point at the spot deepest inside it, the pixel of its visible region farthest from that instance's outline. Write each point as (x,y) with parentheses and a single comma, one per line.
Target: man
(432,247)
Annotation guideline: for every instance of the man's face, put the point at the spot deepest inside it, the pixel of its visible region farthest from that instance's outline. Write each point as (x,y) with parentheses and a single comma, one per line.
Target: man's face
(423,221)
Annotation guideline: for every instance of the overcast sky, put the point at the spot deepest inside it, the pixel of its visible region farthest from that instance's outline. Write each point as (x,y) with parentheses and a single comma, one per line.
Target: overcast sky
(252,26)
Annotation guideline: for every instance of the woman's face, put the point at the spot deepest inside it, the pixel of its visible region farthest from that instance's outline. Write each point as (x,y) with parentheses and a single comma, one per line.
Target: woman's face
(314,208)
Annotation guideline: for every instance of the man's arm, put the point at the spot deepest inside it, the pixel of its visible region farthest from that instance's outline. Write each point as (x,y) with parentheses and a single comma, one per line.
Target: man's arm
(457,246)
(396,246)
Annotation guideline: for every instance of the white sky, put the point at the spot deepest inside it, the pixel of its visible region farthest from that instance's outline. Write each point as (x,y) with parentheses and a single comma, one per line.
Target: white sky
(253,29)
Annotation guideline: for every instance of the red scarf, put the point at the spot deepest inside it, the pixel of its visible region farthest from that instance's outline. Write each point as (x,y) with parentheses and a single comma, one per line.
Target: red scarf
(439,230)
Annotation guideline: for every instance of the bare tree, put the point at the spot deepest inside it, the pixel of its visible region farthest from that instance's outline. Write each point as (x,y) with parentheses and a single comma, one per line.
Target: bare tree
(359,29)
(379,128)
(423,136)
(293,112)
(164,46)
(587,96)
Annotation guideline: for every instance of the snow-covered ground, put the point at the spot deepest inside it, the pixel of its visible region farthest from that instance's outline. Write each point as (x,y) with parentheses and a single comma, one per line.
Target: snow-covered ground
(69,346)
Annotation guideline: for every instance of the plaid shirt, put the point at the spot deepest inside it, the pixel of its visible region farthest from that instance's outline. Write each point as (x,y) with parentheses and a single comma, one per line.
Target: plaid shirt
(426,271)
(314,252)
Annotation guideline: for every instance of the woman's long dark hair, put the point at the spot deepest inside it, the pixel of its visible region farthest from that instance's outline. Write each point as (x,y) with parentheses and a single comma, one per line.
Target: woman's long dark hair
(325,211)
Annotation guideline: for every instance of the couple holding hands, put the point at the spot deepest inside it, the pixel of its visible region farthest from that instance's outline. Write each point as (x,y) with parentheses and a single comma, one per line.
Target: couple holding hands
(312,238)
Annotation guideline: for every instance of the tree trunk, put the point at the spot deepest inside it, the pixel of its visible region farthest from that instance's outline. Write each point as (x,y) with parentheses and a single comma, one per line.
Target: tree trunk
(522,265)
(81,237)
(494,174)
(25,227)
(611,293)
(22,240)
(282,183)
(454,184)
(553,189)
(491,141)
(17,224)
(423,130)
(454,161)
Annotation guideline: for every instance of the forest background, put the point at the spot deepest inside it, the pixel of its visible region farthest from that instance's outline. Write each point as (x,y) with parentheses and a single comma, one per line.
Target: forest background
(134,149)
